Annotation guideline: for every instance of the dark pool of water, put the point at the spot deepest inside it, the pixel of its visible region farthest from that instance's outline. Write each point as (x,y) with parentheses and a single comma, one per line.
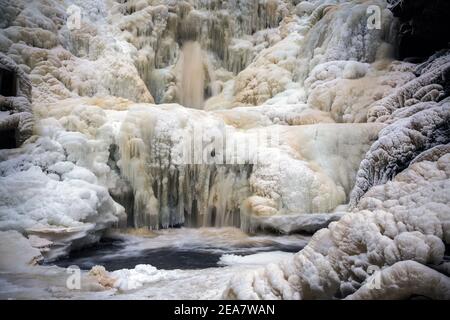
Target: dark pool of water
(112,254)
(447,253)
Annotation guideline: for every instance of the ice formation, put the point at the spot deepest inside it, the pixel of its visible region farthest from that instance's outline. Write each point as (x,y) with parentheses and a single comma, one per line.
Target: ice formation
(52,169)
(401,222)
(174,184)
(400,143)
(316,109)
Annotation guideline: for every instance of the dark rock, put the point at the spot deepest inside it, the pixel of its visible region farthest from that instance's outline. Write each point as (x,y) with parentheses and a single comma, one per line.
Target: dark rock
(424,26)
(16,119)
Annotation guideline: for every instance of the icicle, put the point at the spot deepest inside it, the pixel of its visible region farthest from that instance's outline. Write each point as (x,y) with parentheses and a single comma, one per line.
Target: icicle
(170,193)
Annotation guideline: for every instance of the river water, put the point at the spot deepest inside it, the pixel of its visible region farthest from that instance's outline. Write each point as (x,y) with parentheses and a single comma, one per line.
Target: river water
(182,248)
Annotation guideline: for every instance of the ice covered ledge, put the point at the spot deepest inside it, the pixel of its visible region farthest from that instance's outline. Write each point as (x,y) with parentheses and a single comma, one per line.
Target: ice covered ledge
(294,223)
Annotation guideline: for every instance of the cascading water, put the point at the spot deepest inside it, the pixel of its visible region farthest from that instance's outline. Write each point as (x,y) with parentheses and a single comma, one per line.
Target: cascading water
(192,82)
(168,193)
(195,76)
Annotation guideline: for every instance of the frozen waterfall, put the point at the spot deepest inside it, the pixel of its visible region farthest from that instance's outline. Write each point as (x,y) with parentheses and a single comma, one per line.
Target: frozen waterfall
(195,75)
(219,120)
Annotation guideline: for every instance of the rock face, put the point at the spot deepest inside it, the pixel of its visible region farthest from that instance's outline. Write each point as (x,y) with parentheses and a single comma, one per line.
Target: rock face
(423,27)
(16,119)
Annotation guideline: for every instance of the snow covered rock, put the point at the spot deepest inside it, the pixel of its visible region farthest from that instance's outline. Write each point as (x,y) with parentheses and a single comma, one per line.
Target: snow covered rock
(404,280)
(390,246)
(52,190)
(431,85)
(292,223)
(399,143)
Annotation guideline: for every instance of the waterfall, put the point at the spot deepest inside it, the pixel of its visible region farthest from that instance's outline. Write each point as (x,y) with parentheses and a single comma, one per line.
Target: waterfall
(195,73)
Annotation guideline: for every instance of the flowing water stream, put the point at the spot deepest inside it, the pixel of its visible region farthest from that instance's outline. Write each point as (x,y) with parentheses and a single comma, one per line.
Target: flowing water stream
(182,248)
(195,75)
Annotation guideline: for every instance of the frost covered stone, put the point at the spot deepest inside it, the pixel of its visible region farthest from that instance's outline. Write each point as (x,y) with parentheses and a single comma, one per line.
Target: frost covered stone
(399,143)
(397,237)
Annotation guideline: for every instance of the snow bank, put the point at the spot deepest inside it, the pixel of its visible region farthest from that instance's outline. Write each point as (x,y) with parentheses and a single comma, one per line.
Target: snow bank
(50,188)
(130,279)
